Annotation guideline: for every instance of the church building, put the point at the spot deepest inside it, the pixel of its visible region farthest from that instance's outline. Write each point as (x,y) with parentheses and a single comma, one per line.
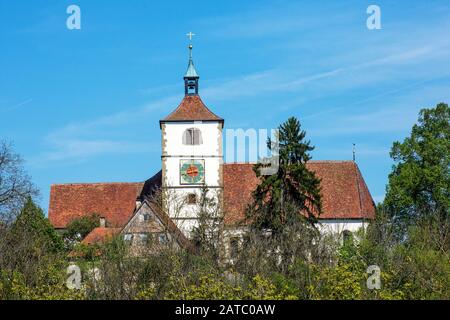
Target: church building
(165,208)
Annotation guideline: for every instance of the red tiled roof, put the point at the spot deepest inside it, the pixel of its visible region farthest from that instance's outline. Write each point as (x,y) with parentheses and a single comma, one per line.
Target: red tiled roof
(344,192)
(100,234)
(113,201)
(239,181)
(192,108)
(344,195)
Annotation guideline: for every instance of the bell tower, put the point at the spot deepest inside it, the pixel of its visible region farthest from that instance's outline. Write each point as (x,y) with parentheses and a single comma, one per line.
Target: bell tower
(191,77)
(192,156)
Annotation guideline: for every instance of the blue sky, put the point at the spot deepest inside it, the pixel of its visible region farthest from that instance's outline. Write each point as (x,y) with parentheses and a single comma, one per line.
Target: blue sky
(84,105)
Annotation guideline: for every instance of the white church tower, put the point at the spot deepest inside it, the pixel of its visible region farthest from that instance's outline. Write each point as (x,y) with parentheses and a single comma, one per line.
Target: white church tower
(192,155)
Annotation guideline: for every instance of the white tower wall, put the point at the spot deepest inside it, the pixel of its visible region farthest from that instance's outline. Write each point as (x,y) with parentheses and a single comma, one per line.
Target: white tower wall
(173,150)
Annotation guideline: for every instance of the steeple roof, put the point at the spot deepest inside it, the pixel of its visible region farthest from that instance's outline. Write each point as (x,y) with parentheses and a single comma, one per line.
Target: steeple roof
(191,72)
(192,108)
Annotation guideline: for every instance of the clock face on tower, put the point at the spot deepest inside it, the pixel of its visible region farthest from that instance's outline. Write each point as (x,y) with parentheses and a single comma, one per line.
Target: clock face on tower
(192,171)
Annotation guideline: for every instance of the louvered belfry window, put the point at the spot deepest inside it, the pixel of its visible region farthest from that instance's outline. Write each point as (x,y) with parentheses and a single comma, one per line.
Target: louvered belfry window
(192,136)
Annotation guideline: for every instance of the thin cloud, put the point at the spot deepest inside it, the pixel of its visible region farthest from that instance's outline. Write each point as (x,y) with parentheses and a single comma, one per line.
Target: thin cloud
(85,138)
(364,101)
(77,150)
(112,121)
(14,107)
(271,20)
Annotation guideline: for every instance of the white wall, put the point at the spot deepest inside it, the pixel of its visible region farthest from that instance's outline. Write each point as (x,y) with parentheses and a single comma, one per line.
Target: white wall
(183,214)
(211,134)
(172,171)
(174,150)
(326,226)
(338,226)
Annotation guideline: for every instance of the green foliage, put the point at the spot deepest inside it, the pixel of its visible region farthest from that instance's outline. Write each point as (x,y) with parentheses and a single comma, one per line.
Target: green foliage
(261,288)
(419,184)
(217,287)
(29,244)
(280,198)
(206,235)
(414,268)
(287,286)
(31,260)
(343,281)
(79,228)
(206,287)
(87,252)
(292,262)
(265,252)
(50,286)
(35,227)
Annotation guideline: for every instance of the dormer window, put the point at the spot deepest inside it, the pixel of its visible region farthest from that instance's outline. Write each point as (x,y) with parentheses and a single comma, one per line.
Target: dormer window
(192,136)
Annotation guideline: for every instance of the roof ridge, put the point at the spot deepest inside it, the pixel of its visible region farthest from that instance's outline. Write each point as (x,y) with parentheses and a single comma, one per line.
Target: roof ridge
(112,228)
(330,161)
(240,163)
(355,168)
(310,161)
(93,183)
(363,189)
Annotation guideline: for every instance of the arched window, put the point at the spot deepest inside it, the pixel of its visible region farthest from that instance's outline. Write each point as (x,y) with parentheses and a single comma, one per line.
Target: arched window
(192,136)
(234,247)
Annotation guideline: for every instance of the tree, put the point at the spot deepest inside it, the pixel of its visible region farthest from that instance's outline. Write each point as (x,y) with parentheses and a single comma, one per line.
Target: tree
(419,184)
(79,228)
(293,191)
(30,244)
(15,184)
(31,224)
(206,235)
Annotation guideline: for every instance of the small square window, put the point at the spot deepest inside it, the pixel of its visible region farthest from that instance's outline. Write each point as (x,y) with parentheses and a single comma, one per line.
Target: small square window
(162,238)
(147,217)
(192,198)
(143,236)
(128,237)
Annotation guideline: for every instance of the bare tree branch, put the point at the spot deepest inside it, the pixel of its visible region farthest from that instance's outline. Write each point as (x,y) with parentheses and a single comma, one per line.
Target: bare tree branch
(15,183)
